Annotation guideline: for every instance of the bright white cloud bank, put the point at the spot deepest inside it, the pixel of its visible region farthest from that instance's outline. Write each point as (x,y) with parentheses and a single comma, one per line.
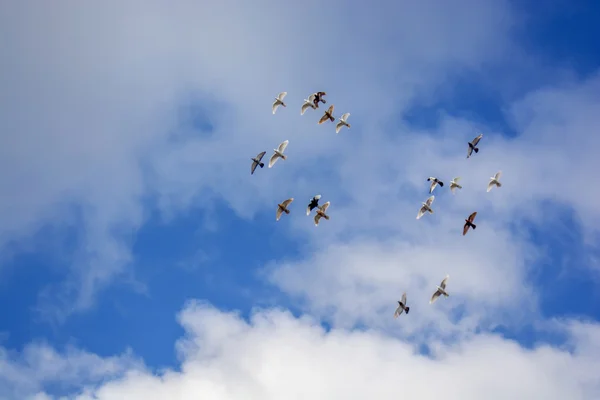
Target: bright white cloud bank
(90,117)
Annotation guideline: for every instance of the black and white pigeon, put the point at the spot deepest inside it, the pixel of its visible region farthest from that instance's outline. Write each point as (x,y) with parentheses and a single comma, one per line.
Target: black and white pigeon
(314,203)
(434,182)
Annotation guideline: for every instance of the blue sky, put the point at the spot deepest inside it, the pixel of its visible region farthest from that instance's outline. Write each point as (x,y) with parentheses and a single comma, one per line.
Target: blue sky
(127,195)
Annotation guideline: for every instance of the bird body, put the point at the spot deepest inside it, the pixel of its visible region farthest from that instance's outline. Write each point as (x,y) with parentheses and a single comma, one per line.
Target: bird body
(469,223)
(278,153)
(434,182)
(257,161)
(328,115)
(279,101)
(473,145)
(283,208)
(401,306)
(321,213)
(308,103)
(426,207)
(454,184)
(342,123)
(314,203)
(441,290)
(494,181)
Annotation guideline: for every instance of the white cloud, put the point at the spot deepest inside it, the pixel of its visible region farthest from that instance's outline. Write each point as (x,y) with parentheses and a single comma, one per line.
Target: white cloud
(279,356)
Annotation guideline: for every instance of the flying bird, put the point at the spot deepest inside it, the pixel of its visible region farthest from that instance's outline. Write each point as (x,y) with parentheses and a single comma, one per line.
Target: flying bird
(473,145)
(454,184)
(426,207)
(256,162)
(279,101)
(342,123)
(434,183)
(278,153)
(441,290)
(494,181)
(321,213)
(328,115)
(319,98)
(314,203)
(401,306)
(469,223)
(283,208)
(308,103)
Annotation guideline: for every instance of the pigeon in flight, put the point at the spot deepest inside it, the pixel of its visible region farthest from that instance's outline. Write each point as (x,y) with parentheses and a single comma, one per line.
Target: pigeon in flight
(401,306)
(314,203)
(279,101)
(257,161)
(441,290)
(473,145)
(308,103)
(494,181)
(342,123)
(327,116)
(278,153)
(454,184)
(321,213)
(319,98)
(283,208)
(469,223)
(426,207)
(434,183)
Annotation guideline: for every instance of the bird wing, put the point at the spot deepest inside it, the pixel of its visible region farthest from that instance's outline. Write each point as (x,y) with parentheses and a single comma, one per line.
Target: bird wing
(275,105)
(398,311)
(338,127)
(477,139)
(273,159)
(490,185)
(308,210)
(498,175)
(305,106)
(260,156)
(330,109)
(469,151)
(456,179)
(345,117)
(282,96)
(317,197)
(403,300)
(452,188)
(254,165)
(287,202)
(282,146)
(311,98)
(443,284)
(278,213)
(422,212)
(472,216)
(465,229)
(323,118)
(435,296)
(429,201)
(432,186)
(317,218)
(325,206)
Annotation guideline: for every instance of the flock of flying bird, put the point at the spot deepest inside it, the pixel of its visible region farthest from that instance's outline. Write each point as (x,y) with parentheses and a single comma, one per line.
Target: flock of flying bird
(283,207)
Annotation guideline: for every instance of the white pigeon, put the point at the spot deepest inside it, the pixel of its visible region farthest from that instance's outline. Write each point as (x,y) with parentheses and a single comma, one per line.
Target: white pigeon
(278,153)
(434,183)
(454,184)
(321,213)
(494,181)
(426,207)
(308,103)
(401,306)
(441,290)
(279,101)
(342,123)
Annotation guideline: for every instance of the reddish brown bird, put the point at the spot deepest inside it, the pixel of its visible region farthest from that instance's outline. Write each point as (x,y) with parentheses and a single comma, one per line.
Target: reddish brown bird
(469,223)
(328,115)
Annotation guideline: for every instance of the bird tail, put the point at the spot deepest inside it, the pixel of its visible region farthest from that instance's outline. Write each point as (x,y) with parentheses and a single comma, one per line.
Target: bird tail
(441,183)
(407,309)
(332,119)
(286,211)
(262,164)
(326,217)
(324,101)
(499,184)
(283,104)
(283,156)
(348,126)
(475,149)
(474,226)
(458,186)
